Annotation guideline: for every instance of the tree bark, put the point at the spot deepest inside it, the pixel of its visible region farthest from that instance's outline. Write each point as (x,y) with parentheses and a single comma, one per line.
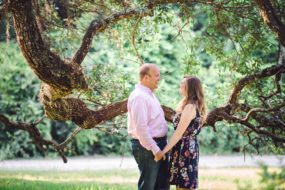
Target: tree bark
(62,9)
(46,65)
(271,19)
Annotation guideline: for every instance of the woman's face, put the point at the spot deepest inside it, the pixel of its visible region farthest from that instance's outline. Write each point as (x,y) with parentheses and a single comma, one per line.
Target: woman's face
(182,89)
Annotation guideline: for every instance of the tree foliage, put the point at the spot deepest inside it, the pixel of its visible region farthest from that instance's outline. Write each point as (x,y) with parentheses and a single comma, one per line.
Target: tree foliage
(86,54)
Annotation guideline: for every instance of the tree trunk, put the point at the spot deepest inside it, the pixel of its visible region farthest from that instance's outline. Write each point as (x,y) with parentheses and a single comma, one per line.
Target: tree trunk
(47,65)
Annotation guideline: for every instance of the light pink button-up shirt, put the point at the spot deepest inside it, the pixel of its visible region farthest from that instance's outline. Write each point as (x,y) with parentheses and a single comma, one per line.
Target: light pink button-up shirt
(145,118)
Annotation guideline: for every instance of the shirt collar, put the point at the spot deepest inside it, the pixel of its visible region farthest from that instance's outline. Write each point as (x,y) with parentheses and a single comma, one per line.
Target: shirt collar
(144,88)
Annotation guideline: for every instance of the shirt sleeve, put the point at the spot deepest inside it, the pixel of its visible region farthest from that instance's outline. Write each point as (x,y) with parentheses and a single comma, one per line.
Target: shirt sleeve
(139,113)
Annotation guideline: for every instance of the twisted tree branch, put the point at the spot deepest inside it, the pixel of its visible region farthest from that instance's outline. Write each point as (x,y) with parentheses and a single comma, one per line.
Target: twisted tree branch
(35,134)
(254,110)
(47,65)
(273,70)
(133,40)
(234,119)
(97,26)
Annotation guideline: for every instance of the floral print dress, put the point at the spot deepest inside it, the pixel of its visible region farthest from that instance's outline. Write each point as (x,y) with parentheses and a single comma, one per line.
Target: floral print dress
(184,156)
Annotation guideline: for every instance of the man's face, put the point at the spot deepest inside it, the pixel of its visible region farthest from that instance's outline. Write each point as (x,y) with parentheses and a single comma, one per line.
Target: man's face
(152,78)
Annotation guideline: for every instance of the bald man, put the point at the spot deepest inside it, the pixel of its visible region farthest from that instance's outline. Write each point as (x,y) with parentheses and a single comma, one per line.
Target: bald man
(148,129)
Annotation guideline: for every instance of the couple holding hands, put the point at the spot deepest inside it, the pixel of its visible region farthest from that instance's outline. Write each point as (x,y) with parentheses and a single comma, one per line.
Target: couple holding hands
(163,163)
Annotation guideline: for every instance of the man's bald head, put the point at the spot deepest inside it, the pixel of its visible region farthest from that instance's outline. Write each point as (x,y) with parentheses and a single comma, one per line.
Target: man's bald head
(149,75)
(145,69)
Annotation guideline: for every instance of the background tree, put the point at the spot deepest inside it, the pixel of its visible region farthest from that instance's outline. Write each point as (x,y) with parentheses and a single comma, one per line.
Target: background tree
(231,40)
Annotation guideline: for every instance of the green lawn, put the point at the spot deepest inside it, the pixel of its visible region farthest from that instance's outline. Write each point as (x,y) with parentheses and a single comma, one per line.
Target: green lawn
(222,178)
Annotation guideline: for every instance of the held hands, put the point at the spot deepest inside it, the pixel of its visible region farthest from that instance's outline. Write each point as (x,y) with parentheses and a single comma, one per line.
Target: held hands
(159,155)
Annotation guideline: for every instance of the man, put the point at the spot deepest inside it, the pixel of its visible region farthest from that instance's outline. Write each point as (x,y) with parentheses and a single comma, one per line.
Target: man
(148,129)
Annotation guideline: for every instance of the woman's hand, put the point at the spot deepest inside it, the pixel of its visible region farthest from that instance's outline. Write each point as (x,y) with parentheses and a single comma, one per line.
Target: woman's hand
(160,155)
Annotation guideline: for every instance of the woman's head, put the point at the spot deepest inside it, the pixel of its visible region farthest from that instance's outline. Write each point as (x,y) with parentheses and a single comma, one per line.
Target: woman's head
(192,91)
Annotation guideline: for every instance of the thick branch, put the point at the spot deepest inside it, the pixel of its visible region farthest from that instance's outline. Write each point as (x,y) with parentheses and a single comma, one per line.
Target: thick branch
(251,78)
(110,111)
(39,19)
(87,118)
(47,65)
(67,109)
(168,113)
(215,115)
(271,19)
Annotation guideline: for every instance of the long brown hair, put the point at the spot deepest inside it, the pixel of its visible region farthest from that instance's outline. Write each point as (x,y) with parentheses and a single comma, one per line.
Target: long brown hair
(194,95)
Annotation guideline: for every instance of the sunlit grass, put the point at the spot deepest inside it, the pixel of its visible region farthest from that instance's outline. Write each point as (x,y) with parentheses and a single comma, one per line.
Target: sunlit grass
(221,178)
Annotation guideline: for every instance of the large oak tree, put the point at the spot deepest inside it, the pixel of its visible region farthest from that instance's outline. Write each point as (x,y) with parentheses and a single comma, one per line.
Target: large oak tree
(60,77)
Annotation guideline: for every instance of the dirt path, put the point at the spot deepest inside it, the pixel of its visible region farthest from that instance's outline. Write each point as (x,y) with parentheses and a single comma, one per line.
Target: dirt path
(104,163)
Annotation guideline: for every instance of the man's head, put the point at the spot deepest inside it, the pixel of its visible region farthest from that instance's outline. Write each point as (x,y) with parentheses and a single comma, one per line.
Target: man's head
(149,75)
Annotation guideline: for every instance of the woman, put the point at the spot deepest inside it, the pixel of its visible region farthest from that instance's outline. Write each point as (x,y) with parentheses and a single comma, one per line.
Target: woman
(184,155)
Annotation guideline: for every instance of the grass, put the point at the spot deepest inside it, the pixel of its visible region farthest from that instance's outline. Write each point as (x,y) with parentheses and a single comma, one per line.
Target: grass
(212,179)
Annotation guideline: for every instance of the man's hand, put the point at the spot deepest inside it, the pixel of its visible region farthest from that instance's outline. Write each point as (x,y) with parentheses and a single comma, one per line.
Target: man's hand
(159,155)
